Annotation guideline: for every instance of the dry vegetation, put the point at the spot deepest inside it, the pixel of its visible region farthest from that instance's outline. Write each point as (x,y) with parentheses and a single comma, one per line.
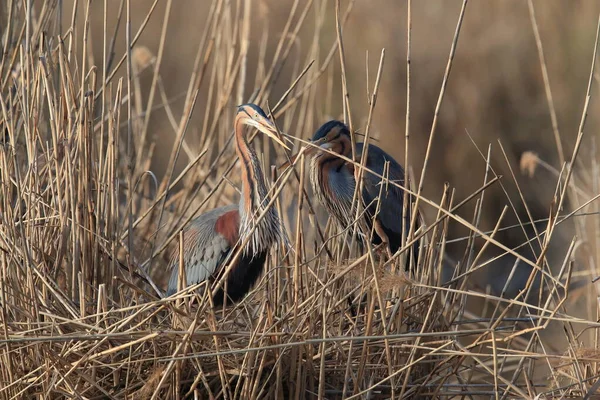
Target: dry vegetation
(102,164)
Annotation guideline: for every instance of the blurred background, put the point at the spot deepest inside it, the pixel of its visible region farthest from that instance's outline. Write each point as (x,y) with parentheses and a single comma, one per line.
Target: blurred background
(495,96)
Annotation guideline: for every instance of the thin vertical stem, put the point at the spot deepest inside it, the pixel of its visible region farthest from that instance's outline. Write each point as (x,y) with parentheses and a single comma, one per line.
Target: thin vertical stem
(405,202)
(130,163)
(549,99)
(437,111)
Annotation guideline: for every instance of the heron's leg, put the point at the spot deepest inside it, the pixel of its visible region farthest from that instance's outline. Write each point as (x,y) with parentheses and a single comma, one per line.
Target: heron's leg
(384,238)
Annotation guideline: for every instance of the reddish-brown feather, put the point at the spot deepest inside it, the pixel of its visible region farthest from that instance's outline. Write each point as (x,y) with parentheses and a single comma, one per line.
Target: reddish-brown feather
(244,153)
(350,168)
(327,162)
(324,171)
(228,226)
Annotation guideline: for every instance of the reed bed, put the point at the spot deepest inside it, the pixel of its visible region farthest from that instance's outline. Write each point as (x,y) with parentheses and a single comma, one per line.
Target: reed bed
(87,230)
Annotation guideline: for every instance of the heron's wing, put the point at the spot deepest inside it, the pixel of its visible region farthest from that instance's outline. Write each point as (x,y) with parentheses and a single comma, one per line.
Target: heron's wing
(208,240)
(392,197)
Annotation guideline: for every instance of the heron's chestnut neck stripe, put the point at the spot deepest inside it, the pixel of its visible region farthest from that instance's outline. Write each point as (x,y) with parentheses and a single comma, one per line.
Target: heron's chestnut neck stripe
(321,181)
(254,197)
(245,153)
(335,137)
(343,144)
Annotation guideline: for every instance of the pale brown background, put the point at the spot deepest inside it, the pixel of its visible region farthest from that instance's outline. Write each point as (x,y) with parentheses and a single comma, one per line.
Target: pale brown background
(495,92)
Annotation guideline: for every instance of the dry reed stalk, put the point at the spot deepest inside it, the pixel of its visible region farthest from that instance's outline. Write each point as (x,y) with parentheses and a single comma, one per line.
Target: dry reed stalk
(84,227)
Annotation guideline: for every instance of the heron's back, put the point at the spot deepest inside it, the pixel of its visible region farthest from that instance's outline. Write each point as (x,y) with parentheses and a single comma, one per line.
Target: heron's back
(391,201)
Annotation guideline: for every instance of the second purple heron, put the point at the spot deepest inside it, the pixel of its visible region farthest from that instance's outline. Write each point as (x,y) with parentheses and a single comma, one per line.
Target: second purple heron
(333,181)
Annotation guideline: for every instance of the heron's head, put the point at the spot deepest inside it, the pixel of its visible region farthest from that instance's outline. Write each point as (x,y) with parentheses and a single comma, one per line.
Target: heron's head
(333,135)
(252,115)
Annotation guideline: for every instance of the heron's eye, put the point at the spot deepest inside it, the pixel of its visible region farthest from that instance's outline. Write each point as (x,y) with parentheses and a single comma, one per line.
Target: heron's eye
(256,115)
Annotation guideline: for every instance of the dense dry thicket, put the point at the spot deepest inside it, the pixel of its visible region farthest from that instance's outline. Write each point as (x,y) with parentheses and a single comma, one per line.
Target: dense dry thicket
(103,161)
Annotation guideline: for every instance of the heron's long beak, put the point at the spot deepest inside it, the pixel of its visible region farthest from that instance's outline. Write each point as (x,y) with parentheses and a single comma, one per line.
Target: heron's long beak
(271,132)
(273,135)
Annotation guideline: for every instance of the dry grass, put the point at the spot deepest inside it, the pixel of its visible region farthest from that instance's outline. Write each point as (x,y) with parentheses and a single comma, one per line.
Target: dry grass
(85,231)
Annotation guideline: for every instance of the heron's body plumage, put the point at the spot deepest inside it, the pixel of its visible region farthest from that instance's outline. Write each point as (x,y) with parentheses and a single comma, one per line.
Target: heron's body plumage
(211,238)
(204,249)
(334,181)
(392,197)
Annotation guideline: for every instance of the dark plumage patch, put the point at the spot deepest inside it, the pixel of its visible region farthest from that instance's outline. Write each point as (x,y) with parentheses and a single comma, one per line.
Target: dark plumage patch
(249,267)
(241,278)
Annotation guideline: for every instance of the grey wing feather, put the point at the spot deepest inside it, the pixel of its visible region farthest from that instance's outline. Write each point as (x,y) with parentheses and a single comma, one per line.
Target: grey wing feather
(205,249)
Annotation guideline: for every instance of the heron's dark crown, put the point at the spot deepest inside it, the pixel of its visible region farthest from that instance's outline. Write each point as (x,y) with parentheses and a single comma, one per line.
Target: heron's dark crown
(253,107)
(328,127)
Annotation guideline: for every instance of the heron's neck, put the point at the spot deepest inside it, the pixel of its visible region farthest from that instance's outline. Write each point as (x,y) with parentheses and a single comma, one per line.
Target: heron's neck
(254,197)
(325,161)
(331,174)
(341,146)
